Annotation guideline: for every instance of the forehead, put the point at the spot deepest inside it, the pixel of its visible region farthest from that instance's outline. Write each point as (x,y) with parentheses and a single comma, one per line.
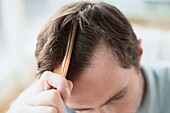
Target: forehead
(101,80)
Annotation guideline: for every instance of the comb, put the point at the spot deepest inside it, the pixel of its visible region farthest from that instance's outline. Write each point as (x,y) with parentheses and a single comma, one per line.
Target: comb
(63,68)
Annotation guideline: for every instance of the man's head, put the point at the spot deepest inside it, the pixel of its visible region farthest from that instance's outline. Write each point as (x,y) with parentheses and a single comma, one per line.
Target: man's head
(105,58)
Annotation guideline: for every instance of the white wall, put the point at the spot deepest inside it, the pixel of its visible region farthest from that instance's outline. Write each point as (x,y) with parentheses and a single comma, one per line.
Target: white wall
(155,42)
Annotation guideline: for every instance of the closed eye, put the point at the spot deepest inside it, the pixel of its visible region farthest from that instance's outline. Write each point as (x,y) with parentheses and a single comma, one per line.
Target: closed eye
(117,96)
(120,95)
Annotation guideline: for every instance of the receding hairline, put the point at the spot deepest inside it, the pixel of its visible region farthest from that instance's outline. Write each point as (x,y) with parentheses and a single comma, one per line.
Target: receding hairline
(102,45)
(102,9)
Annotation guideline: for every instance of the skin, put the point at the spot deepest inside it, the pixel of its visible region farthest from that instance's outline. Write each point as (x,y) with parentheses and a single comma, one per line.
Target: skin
(104,87)
(49,94)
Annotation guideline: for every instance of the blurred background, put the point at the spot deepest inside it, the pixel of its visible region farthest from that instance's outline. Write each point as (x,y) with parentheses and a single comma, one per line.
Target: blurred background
(21,21)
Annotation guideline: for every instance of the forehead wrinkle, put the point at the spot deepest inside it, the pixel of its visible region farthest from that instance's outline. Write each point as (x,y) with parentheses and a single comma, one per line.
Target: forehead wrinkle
(92,79)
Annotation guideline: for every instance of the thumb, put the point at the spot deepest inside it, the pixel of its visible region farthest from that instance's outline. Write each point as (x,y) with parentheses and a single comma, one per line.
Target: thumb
(70,85)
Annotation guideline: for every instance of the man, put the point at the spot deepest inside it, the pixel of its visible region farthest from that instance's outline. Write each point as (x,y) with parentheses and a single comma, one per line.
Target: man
(105,67)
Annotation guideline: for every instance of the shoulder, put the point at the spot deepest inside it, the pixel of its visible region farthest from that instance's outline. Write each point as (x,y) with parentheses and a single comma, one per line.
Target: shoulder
(158,69)
(157,73)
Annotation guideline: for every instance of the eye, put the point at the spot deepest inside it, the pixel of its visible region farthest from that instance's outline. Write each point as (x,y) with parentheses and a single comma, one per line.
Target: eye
(121,95)
(83,111)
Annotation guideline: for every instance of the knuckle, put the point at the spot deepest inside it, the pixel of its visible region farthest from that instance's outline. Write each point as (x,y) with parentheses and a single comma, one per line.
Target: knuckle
(61,79)
(54,94)
(63,84)
(45,74)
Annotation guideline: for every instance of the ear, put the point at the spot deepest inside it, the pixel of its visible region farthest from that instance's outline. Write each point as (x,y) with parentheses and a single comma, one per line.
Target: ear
(140,51)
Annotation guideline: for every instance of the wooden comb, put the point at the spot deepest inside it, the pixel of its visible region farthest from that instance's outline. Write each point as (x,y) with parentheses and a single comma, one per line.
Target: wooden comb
(63,68)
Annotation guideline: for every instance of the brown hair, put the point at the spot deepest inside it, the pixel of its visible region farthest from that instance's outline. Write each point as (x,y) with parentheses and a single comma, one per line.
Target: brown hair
(97,23)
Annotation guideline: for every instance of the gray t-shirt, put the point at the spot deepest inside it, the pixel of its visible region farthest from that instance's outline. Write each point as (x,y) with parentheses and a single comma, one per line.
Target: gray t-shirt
(157,76)
(157,98)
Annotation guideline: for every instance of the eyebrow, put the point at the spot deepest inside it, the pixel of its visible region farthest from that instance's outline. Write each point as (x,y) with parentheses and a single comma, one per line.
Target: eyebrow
(108,101)
(115,96)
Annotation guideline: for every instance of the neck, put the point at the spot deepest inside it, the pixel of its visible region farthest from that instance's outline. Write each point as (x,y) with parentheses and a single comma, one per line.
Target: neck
(143,87)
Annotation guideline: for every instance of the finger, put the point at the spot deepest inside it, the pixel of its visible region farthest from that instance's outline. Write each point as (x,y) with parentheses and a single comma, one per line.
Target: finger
(33,89)
(70,84)
(37,109)
(48,98)
(50,80)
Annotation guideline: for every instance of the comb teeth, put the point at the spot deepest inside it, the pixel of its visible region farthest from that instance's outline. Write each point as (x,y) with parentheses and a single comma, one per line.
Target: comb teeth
(65,64)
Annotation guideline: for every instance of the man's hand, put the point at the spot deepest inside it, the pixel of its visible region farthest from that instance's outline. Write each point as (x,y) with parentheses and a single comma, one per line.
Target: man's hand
(47,95)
